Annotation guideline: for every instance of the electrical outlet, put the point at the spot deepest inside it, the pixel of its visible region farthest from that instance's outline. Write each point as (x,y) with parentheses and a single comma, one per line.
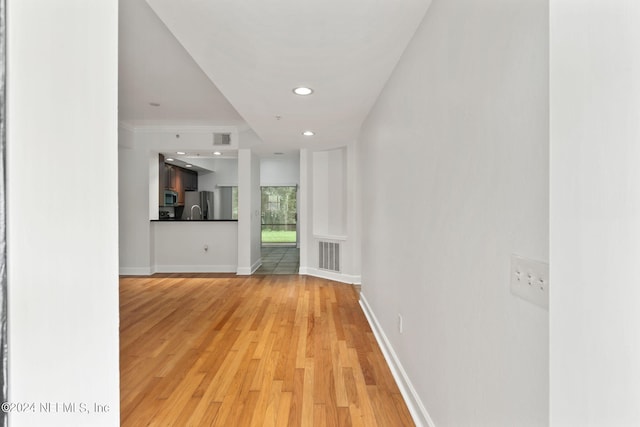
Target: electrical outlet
(530,280)
(399,323)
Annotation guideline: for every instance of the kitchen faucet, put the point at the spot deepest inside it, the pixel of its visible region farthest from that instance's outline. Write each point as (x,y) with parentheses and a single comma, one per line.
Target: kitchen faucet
(196,206)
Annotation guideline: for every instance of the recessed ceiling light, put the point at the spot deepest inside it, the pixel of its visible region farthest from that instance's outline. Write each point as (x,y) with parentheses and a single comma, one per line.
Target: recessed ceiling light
(188,166)
(303,91)
(217,153)
(180,152)
(308,133)
(154,104)
(169,159)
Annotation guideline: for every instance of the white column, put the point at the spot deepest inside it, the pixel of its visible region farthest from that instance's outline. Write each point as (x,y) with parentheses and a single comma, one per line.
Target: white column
(63,211)
(305,215)
(244,211)
(595,213)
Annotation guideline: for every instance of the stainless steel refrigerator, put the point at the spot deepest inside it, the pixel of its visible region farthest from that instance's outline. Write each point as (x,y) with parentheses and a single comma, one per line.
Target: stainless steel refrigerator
(192,208)
(206,203)
(198,205)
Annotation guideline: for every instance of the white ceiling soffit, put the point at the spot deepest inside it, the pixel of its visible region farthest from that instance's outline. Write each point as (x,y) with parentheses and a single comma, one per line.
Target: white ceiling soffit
(257,51)
(155,68)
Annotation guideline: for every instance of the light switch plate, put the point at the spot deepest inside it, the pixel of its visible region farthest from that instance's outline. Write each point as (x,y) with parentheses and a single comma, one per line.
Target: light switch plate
(530,280)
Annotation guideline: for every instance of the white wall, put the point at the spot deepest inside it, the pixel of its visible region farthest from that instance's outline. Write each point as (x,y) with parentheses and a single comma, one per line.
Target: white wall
(595,213)
(133,202)
(325,212)
(63,209)
(329,192)
(454,171)
(353,190)
(280,171)
(225,173)
(249,258)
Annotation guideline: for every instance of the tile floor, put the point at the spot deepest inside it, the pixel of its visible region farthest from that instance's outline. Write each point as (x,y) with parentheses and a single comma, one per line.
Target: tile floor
(279,260)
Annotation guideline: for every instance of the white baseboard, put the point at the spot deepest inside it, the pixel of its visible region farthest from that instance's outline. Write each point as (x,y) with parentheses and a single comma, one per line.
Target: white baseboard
(248,271)
(418,412)
(338,277)
(135,271)
(194,269)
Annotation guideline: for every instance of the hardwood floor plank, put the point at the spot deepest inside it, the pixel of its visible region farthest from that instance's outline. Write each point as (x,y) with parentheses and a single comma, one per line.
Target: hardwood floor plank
(295,412)
(307,395)
(237,391)
(356,416)
(302,345)
(225,375)
(363,402)
(130,403)
(284,408)
(224,350)
(319,415)
(381,404)
(178,399)
(290,356)
(404,417)
(266,411)
(186,412)
(344,417)
(261,312)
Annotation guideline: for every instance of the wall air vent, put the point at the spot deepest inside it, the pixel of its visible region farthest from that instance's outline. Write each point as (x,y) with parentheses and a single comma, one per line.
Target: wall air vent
(222,139)
(329,256)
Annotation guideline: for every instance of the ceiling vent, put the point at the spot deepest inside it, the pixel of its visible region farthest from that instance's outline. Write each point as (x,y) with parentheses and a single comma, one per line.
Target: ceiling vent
(222,139)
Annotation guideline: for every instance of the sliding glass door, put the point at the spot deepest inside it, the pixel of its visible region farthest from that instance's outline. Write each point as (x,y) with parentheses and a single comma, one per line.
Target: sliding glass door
(279,215)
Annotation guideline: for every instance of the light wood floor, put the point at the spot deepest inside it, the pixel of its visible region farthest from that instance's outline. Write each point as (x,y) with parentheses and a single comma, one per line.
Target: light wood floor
(253,351)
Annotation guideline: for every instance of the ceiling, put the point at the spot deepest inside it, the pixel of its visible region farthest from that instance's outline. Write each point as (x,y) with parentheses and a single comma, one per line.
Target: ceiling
(223,62)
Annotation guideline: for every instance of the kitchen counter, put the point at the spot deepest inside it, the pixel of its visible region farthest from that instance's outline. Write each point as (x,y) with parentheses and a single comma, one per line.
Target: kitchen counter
(200,247)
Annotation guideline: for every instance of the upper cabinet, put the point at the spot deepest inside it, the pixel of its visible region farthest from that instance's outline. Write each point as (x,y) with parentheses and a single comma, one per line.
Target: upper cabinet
(178,186)
(169,173)
(166,175)
(190,179)
(172,177)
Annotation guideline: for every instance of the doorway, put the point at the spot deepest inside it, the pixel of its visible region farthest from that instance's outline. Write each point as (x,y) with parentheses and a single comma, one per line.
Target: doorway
(279,216)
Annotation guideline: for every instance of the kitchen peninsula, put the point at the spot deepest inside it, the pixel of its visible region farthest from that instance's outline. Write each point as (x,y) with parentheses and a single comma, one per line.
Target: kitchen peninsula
(195,230)
(182,246)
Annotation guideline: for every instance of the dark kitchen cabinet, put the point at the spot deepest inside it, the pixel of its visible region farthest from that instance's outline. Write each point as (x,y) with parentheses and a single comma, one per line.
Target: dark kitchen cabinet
(175,178)
(161,179)
(185,180)
(166,175)
(170,177)
(190,180)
